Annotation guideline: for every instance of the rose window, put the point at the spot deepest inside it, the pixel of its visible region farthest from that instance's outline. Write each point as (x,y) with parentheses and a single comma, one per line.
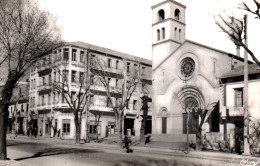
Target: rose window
(187,67)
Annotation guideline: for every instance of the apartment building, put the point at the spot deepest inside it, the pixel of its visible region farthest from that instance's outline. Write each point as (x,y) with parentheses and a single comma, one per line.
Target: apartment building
(71,61)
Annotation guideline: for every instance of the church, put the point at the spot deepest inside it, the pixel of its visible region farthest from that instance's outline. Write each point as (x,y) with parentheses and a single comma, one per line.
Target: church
(186,75)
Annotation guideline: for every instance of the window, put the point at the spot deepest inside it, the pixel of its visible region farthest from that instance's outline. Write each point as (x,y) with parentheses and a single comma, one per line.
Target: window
(50,79)
(81,56)
(109,81)
(43,80)
(91,100)
(116,83)
(58,97)
(135,105)
(143,70)
(20,92)
(44,61)
(128,67)
(92,80)
(161,15)
(66,54)
(49,99)
(117,63)
(22,110)
(81,76)
(127,104)
(54,97)
(179,34)
(158,34)
(54,77)
(43,100)
(109,63)
(73,76)
(177,14)
(74,55)
(66,126)
(163,33)
(93,129)
(192,123)
(175,33)
(239,97)
(65,75)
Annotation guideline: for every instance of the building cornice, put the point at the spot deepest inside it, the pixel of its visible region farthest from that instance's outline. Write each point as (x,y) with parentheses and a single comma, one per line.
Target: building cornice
(165,41)
(159,4)
(168,19)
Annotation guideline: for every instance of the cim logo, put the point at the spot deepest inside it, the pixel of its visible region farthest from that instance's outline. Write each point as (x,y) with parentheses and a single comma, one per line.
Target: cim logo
(246,162)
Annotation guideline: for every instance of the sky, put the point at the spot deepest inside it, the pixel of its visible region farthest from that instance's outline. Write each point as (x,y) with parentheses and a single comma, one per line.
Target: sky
(126,25)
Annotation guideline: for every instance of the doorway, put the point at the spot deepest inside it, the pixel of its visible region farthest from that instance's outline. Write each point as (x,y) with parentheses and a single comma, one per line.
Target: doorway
(129,124)
(239,136)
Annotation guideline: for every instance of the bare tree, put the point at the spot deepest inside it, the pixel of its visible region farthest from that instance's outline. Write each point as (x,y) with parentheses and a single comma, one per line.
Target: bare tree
(26,34)
(145,100)
(127,82)
(196,113)
(234,27)
(75,96)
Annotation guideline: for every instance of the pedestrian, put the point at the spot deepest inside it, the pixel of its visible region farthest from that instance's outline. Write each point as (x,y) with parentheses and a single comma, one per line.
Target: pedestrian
(58,133)
(54,131)
(127,141)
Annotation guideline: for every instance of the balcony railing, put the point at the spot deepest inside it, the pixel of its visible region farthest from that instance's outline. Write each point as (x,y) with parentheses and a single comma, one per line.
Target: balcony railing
(234,111)
(44,87)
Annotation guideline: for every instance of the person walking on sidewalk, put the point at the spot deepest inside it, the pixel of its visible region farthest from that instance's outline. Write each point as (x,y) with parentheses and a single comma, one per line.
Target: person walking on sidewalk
(127,141)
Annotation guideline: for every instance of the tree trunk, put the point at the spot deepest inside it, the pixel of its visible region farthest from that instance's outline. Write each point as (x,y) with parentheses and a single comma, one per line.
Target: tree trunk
(6,95)
(187,126)
(76,121)
(3,128)
(119,120)
(142,131)
(198,140)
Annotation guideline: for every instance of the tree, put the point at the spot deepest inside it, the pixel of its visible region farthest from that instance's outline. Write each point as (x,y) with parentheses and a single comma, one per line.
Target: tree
(234,27)
(145,100)
(26,34)
(117,97)
(75,96)
(197,113)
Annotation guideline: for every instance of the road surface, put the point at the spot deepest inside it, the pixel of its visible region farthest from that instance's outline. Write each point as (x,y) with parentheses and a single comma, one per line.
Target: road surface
(55,155)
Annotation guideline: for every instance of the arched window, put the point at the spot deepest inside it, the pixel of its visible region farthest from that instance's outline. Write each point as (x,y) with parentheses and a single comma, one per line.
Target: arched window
(161,15)
(158,34)
(175,33)
(164,120)
(179,34)
(163,33)
(177,14)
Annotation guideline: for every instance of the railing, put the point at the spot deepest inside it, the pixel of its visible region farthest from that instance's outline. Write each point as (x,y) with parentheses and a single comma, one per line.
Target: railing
(235,111)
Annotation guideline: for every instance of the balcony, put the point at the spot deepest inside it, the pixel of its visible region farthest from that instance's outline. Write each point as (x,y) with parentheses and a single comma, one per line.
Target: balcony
(146,76)
(44,87)
(45,66)
(100,108)
(103,89)
(108,70)
(232,111)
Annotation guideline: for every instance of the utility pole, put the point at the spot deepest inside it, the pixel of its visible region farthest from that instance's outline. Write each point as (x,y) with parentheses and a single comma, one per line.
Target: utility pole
(246,120)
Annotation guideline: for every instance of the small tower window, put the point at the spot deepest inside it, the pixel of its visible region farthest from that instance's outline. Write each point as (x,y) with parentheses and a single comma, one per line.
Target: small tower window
(158,34)
(175,33)
(179,34)
(177,14)
(161,14)
(163,33)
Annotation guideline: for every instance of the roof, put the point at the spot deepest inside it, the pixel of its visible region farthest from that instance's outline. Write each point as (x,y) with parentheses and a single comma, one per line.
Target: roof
(109,52)
(239,71)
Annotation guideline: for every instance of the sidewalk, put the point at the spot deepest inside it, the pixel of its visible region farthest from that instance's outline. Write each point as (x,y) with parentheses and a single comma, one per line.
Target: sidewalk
(109,144)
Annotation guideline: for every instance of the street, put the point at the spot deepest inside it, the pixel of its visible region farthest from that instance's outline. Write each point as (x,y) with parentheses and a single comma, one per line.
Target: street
(48,155)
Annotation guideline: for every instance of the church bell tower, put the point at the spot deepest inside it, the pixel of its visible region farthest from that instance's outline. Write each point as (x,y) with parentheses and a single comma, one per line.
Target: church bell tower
(168,29)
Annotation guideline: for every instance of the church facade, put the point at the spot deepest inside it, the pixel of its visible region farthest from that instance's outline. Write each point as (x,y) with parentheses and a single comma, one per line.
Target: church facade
(185,75)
